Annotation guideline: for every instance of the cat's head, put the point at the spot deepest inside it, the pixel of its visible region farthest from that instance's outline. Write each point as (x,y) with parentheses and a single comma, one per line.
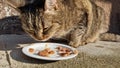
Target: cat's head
(37,16)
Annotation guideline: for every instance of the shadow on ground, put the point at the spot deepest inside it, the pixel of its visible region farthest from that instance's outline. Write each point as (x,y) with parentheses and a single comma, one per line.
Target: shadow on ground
(11,25)
(19,56)
(13,45)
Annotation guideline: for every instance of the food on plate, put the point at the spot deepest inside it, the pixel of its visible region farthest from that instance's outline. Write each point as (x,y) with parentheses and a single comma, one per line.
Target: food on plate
(46,52)
(60,50)
(31,50)
(63,51)
(51,52)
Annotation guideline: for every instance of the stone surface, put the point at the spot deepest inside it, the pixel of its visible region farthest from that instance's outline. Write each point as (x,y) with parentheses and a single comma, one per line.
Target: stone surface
(4,62)
(94,55)
(9,21)
(6,10)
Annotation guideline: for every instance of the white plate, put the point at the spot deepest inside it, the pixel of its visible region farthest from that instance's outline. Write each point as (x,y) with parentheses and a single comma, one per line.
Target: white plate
(41,46)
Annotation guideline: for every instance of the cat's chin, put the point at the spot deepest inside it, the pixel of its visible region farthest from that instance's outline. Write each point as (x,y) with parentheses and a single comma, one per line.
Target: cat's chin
(44,38)
(37,39)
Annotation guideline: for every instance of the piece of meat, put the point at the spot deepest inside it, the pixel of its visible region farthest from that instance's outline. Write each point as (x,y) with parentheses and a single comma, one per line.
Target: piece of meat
(31,50)
(46,52)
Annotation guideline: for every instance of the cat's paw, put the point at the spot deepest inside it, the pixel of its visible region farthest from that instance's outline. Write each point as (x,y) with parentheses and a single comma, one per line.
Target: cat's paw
(77,44)
(82,43)
(73,44)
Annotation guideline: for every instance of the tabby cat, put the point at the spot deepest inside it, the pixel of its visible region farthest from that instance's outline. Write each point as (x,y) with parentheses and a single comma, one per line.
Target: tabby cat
(78,21)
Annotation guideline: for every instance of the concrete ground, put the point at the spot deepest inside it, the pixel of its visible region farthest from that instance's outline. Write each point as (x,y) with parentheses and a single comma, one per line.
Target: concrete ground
(94,55)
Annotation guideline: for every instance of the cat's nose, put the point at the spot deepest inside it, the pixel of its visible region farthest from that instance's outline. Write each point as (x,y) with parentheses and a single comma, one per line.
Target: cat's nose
(38,37)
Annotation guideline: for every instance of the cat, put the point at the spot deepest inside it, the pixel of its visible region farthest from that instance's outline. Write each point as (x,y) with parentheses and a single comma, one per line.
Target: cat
(78,21)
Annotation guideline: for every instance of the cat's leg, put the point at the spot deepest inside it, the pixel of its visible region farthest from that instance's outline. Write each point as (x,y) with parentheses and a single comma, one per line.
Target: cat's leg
(88,7)
(76,36)
(88,19)
(75,39)
(93,32)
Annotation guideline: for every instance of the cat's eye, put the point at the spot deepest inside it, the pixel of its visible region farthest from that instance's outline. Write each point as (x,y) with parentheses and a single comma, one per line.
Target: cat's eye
(45,29)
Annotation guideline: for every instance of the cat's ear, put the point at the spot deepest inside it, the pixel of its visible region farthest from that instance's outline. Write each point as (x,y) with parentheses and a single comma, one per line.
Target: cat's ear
(51,6)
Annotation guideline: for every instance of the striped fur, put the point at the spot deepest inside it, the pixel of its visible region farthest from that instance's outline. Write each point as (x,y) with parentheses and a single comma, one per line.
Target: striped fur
(78,21)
